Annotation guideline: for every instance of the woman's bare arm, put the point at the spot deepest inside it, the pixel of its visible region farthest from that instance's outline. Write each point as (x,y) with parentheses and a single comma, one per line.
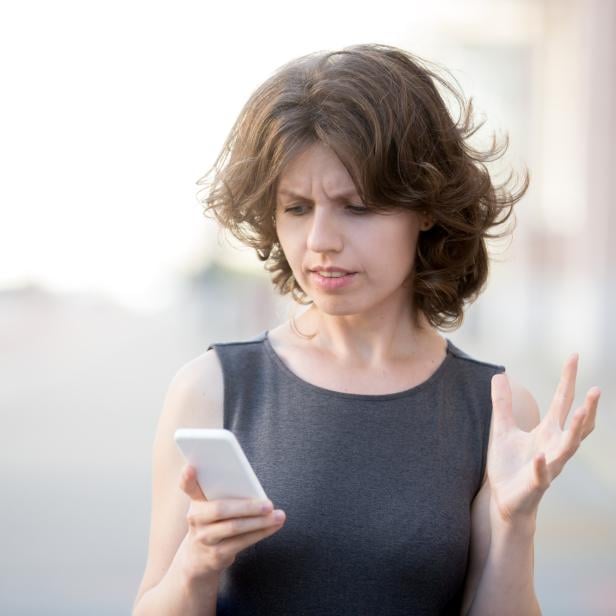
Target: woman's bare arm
(194,399)
(521,466)
(485,544)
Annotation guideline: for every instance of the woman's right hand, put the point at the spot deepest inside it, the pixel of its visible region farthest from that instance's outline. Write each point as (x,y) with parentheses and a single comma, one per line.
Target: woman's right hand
(219,529)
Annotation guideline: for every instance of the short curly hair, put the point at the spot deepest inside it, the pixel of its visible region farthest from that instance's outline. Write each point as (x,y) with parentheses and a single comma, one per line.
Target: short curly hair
(379,108)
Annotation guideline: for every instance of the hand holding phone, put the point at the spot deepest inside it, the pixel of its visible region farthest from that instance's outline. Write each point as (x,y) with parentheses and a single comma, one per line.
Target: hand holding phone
(223,470)
(219,528)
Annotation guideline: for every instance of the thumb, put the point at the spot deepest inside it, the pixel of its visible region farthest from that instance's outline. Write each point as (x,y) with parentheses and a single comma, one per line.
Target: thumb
(190,485)
(501,404)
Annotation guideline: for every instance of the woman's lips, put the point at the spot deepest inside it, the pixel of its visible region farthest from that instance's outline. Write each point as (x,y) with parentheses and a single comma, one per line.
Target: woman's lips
(330,283)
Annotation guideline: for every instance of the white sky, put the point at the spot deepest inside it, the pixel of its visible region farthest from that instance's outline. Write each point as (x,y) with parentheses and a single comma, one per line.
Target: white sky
(110,111)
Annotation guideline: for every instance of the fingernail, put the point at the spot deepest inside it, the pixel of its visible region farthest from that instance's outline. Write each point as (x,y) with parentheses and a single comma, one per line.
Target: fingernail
(266,506)
(279,515)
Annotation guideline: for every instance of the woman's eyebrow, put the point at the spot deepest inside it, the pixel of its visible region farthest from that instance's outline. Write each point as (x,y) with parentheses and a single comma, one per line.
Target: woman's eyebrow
(347,194)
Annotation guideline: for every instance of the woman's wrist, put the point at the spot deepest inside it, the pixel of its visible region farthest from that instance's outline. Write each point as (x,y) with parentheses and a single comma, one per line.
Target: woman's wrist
(520,525)
(195,581)
(203,582)
(516,528)
(196,585)
(200,592)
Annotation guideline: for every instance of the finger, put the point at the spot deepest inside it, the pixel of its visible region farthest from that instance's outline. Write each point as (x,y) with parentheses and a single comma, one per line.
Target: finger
(228,508)
(211,513)
(541,472)
(590,406)
(503,420)
(240,542)
(190,485)
(573,435)
(565,391)
(217,532)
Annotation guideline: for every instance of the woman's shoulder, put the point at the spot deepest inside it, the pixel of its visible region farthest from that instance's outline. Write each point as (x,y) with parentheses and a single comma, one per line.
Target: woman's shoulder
(471,360)
(524,406)
(198,386)
(194,397)
(254,340)
(237,354)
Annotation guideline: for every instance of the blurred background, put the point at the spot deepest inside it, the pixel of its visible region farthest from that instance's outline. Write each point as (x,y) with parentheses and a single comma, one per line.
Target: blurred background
(111,278)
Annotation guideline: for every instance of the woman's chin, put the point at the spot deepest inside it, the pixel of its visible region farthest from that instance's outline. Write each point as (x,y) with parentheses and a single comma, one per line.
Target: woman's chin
(336,306)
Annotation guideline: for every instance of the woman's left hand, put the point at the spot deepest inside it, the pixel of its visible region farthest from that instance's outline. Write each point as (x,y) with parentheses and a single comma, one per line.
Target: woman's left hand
(521,465)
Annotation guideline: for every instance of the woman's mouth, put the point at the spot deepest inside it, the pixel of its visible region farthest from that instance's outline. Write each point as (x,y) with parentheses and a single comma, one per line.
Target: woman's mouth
(330,281)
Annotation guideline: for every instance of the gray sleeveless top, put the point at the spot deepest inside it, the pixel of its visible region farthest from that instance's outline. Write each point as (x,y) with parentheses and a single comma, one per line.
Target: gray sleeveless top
(377,488)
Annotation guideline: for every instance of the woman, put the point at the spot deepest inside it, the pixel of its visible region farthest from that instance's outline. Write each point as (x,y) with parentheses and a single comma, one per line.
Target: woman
(407,474)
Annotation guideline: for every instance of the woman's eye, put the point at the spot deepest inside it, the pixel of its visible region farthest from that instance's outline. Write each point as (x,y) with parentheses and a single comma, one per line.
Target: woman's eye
(295,209)
(298,210)
(358,209)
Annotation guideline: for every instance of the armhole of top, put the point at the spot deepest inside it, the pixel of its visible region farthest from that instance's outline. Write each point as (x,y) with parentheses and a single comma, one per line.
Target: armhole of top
(219,349)
(221,362)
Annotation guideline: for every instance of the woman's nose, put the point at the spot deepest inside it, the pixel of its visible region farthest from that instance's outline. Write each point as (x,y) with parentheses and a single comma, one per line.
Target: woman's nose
(323,234)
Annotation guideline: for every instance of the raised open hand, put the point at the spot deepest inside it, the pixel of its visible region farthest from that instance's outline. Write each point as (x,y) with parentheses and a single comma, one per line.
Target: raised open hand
(522,465)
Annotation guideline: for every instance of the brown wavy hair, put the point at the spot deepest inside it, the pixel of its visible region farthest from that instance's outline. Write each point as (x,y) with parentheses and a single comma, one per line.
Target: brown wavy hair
(379,108)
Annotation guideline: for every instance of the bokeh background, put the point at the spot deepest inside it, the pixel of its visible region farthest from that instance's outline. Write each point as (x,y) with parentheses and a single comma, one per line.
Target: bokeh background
(111,278)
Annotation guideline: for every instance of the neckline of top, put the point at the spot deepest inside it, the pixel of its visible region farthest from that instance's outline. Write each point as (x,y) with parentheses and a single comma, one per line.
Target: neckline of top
(434,377)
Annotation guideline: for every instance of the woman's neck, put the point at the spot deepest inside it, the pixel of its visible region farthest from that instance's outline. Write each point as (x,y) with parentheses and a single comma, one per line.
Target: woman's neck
(366,340)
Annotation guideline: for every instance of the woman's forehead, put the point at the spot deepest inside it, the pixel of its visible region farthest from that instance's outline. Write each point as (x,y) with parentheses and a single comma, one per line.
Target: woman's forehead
(317,164)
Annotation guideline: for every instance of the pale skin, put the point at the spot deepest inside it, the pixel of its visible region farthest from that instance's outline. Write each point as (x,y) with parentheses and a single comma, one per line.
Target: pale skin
(364,342)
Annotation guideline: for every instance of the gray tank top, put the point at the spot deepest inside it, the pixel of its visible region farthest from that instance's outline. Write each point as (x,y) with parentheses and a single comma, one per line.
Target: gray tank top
(377,488)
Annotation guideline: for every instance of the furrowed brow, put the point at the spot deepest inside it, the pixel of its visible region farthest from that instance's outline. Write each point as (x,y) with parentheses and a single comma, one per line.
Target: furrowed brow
(343,196)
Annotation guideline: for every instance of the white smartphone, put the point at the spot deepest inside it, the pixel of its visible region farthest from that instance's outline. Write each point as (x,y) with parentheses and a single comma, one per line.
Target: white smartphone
(223,470)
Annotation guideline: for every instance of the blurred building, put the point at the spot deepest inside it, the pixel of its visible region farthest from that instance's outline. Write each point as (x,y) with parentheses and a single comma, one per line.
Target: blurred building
(544,71)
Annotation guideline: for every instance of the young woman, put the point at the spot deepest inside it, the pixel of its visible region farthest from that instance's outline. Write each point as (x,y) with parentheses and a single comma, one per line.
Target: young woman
(404,475)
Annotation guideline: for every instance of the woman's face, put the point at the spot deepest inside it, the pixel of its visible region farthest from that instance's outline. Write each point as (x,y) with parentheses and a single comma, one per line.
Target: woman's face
(321,223)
